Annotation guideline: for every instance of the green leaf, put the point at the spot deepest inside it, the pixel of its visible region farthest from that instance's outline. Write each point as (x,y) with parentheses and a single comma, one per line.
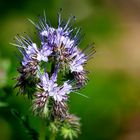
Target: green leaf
(3,104)
(24,120)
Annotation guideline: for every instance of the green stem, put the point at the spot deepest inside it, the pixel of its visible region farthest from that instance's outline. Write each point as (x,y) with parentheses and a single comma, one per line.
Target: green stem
(53,136)
(42,134)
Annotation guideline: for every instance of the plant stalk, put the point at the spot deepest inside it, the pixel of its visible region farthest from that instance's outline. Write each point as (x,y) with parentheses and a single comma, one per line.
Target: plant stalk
(53,136)
(42,133)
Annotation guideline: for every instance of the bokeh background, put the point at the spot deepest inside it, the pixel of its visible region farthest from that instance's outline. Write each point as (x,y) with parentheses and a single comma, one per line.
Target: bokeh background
(112,111)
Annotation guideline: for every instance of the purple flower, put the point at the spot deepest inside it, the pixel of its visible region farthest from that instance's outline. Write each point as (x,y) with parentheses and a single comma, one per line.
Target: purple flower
(30,53)
(51,88)
(62,92)
(51,70)
(45,52)
(63,41)
(77,60)
(57,37)
(48,84)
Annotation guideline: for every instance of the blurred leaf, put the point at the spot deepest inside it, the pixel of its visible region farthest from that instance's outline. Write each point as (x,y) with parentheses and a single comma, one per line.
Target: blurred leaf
(24,120)
(4,67)
(3,104)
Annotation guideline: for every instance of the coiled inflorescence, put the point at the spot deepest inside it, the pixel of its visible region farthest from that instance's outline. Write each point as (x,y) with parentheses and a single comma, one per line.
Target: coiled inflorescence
(53,69)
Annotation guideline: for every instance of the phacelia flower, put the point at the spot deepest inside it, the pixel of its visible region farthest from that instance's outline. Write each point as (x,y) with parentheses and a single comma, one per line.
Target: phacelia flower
(49,89)
(63,41)
(29,64)
(53,69)
(50,86)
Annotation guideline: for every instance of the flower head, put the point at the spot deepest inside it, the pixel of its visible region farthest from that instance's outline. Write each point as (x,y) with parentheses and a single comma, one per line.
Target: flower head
(52,69)
(51,88)
(63,41)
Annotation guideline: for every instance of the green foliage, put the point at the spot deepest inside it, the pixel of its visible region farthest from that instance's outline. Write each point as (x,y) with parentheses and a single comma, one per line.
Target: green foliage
(24,120)
(68,133)
(3,104)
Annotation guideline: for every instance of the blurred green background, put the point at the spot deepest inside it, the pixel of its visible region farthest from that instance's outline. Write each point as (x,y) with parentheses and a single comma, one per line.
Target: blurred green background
(112,111)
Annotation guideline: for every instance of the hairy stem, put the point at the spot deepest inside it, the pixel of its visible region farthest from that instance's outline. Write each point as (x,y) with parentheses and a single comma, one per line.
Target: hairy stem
(42,133)
(53,136)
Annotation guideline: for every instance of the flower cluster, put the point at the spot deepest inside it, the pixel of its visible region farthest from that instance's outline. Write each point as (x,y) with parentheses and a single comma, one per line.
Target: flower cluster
(53,69)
